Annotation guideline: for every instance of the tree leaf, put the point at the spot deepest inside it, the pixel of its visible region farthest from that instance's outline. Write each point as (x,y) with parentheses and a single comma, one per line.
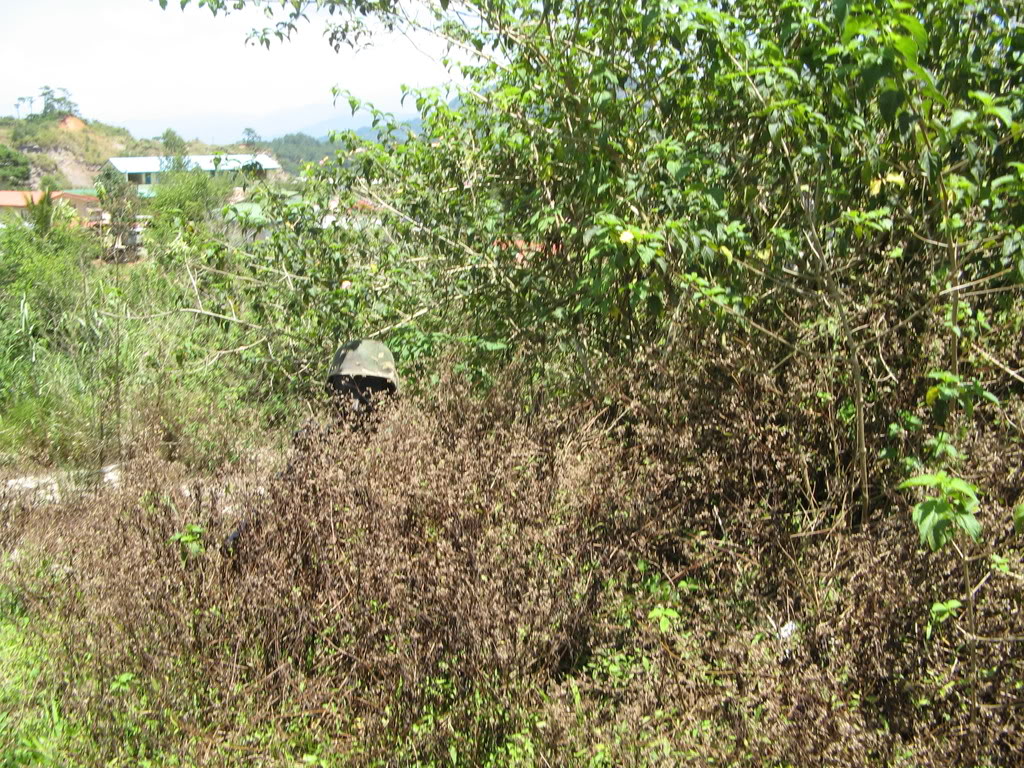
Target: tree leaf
(970,524)
(907,46)
(1002,181)
(915,28)
(871,76)
(959,118)
(854,26)
(888,102)
(985,98)
(939,533)
(928,79)
(1018,519)
(925,520)
(924,480)
(928,514)
(1003,113)
(962,487)
(840,12)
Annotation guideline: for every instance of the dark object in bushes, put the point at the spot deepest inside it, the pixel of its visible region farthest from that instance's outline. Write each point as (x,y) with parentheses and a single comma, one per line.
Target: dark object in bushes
(228,547)
(362,376)
(362,370)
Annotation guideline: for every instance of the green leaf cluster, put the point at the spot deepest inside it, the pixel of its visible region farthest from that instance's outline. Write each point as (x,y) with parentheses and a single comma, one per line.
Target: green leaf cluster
(952,390)
(938,517)
(15,169)
(813,176)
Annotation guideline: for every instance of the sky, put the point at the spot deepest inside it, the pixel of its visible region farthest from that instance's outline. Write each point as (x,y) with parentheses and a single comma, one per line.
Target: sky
(129,63)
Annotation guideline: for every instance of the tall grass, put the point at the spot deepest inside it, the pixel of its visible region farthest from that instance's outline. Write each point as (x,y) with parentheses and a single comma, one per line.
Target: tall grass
(33,728)
(92,353)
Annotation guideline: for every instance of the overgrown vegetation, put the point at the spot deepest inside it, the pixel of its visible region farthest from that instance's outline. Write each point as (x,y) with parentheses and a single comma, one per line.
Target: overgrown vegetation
(709,448)
(14,169)
(95,351)
(295,149)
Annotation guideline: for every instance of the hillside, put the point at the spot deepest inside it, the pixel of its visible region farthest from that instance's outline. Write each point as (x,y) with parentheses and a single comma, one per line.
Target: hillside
(70,151)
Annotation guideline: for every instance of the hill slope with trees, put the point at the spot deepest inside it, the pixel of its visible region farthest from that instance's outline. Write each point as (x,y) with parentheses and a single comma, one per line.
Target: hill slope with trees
(65,150)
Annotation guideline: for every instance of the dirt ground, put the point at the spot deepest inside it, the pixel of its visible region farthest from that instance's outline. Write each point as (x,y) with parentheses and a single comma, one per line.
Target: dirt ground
(79,174)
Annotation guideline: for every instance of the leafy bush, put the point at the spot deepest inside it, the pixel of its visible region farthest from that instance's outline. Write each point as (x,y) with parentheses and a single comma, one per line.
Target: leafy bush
(186,197)
(678,291)
(14,169)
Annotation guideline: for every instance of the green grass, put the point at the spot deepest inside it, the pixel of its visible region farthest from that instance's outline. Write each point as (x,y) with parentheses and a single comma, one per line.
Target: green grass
(33,731)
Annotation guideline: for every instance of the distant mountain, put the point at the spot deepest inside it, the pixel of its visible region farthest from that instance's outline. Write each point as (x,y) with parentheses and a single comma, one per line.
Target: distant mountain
(323,128)
(294,149)
(313,120)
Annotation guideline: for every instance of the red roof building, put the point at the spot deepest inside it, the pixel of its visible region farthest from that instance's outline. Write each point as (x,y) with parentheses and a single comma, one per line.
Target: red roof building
(85,206)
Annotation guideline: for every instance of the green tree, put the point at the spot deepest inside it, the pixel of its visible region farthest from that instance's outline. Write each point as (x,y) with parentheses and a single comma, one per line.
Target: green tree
(15,169)
(251,139)
(24,102)
(174,145)
(120,201)
(188,196)
(57,102)
(294,149)
(175,151)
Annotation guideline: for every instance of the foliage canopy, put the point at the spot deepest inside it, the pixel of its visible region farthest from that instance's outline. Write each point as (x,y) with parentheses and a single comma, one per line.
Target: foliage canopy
(15,169)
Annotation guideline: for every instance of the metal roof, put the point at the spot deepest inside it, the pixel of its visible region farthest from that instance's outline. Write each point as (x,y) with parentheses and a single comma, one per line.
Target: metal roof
(202,162)
(15,198)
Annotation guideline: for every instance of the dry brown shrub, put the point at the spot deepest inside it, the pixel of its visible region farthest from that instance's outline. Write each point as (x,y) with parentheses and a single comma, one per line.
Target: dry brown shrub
(417,565)
(466,574)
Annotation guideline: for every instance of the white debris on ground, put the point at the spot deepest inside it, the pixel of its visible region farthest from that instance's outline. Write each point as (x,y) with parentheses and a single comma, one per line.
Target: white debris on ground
(788,630)
(230,500)
(786,635)
(43,487)
(111,474)
(49,489)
